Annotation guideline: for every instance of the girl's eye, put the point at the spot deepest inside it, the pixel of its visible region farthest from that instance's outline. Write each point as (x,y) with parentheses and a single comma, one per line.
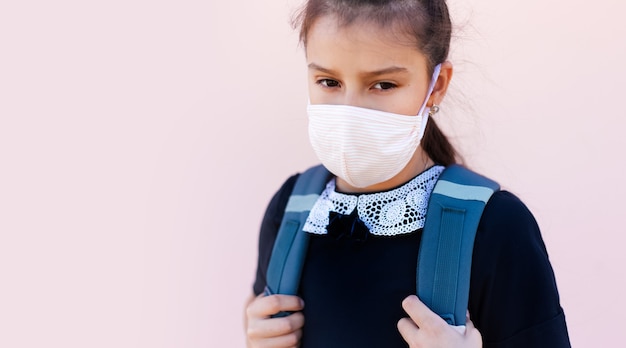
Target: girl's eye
(328,83)
(384,86)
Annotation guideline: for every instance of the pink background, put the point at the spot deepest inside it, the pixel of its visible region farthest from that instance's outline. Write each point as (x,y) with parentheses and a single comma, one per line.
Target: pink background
(141,140)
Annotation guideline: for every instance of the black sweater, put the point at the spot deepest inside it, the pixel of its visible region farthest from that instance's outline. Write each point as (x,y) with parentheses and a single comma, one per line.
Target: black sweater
(353,291)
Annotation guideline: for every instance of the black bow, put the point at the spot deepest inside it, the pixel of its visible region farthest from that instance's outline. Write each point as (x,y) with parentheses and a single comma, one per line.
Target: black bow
(342,226)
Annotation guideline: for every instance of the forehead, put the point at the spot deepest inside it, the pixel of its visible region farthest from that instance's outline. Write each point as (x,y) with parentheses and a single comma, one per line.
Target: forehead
(360,44)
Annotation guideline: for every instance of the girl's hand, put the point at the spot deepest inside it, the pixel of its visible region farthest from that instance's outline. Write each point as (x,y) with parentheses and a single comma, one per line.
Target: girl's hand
(426,329)
(264,331)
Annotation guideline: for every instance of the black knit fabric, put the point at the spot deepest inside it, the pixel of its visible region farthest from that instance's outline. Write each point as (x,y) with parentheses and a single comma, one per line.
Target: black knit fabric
(353,289)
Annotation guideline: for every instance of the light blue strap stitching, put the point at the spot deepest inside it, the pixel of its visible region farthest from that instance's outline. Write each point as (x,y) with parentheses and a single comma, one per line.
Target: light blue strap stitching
(464,192)
(301,203)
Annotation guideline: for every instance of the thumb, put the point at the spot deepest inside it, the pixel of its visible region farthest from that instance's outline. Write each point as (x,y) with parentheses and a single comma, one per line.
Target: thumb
(420,313)
(471,332)
(469,324)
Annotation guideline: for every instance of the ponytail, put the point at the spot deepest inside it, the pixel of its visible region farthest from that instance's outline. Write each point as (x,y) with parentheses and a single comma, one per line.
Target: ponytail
(437,146)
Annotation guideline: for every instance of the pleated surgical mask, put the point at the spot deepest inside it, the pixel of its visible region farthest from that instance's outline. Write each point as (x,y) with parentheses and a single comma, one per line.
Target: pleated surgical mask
(365,146)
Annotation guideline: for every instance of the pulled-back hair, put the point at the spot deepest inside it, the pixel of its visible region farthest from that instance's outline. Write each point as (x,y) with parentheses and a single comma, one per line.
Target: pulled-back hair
(427,21)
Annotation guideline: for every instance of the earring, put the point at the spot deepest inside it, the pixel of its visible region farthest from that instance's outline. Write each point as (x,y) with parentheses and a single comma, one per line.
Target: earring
(433,110)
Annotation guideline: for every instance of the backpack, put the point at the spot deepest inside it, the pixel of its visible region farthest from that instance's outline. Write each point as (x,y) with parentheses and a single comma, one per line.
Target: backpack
(444,260)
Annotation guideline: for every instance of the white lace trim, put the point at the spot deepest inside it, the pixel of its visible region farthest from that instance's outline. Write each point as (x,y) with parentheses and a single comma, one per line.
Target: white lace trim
(399,211)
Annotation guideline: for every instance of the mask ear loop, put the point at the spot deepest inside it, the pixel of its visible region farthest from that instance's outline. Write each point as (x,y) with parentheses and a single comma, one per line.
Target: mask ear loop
(423,112)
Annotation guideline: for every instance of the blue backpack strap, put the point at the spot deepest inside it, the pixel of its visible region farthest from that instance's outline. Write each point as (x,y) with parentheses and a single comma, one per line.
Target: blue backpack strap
(445,256)
(285,266)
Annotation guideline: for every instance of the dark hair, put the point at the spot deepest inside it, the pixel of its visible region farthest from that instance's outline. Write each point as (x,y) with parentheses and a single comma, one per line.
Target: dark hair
(428,21)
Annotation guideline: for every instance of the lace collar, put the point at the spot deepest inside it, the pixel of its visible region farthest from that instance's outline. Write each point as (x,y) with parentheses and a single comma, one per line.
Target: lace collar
(388,213)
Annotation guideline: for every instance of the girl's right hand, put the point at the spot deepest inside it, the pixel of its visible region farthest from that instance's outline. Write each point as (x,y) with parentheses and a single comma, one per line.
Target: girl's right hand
(264,331)
(424,328)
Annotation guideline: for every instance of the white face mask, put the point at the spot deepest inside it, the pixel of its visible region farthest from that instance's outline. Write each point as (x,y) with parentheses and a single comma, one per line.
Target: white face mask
(365,146)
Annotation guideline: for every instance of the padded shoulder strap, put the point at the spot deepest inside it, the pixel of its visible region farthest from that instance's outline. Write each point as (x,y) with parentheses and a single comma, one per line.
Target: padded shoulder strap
(445,257)
(285,266)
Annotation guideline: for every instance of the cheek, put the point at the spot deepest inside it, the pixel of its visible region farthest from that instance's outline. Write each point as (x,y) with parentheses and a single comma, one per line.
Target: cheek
(317,98)
(407,102)
(315,94)
(318,95)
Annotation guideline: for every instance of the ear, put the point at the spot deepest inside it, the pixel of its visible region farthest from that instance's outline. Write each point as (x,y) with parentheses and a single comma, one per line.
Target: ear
(441,86)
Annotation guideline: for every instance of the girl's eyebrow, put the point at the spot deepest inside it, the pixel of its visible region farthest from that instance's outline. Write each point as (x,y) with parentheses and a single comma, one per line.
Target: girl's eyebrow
(389,70)
(314,66)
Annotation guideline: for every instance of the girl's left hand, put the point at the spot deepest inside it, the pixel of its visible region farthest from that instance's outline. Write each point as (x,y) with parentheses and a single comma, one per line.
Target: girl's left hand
(426,329)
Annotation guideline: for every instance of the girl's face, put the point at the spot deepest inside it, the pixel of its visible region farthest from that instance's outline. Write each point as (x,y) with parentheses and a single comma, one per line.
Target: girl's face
(362,65)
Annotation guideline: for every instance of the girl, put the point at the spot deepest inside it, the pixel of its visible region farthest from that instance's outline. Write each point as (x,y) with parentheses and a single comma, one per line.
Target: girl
(377,75)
